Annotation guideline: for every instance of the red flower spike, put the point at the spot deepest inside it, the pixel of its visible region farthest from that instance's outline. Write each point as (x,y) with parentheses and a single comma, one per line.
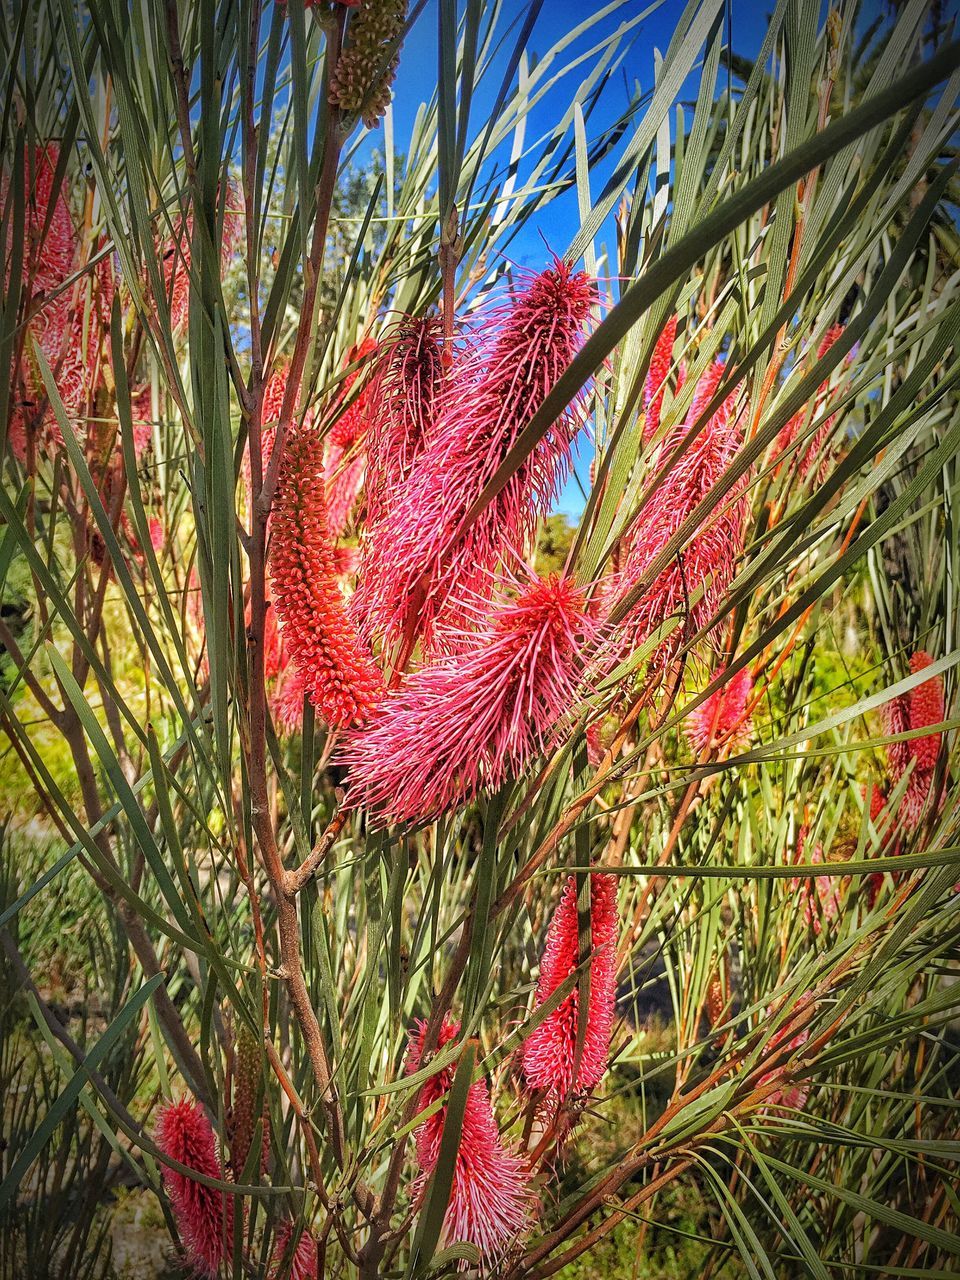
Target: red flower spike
(655,384)
(922,706)
(204,1216)
(821,895)
(339,677)
(478,714)
(550,1051)
(301,1263)
(407,397)
(791,1097)
(709,558)
(719,721)
(427,562)
(814,451)
(490,1201)
(925,707)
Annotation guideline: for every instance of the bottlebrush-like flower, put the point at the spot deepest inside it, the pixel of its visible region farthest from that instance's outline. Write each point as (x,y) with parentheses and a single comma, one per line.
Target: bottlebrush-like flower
(476,715)
(300,1263)
(496,388)
(339,677)
(814,451)
(922,706)
(549,1054)
(709,558)
(656,382)
(490,1201)
(204,1217)
(792,1097)
(286,703)
(821,895)
(406,402)
(719,722)
(345,468)
(346,451)
(176,254)
(926,707)
(365,71)
(50,242)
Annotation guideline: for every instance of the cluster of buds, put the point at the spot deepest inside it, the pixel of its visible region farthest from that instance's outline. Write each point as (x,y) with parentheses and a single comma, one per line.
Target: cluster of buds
(362,80)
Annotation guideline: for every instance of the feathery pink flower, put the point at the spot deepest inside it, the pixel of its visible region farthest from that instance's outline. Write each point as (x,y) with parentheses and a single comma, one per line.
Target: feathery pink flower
(922,706)
(719,722)
(142,420)
(476,715)
(814,452)
(345,459)
(406,399)
(49,256)
(549,1054)
(286,702)
(821,895)
(339,676)
(792,1097)
(656,382)
(50,251)
(204,1217)
(429,565)
(490,1202)
(298,1264)
(176,254)
(709,558)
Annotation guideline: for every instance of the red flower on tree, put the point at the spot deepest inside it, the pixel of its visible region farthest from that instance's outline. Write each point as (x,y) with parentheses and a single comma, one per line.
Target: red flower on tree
(549,1054)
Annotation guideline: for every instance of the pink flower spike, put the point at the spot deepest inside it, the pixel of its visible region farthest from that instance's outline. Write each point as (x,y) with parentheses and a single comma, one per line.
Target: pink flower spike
(204,1217)
(549,1054)
(428,563)
(719,721)
(655,384)
(406,399)
(791,1097)
(476,716)
(298,1264)
(708,561)
(490,1202)
(821,895)
(922,706)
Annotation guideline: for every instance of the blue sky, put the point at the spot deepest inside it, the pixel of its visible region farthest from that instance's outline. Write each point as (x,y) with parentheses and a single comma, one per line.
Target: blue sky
(556,224)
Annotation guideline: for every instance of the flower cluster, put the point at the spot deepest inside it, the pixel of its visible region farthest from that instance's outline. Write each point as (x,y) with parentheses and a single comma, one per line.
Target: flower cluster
(821,895)
(363,77)
(490,1202)
(434,559)
(477,715)
(293,1260)
(339,677)
(721,722)
(922,706)
(691,587)
(816,452)
(550,1058)
(176,253)
(203,1214)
